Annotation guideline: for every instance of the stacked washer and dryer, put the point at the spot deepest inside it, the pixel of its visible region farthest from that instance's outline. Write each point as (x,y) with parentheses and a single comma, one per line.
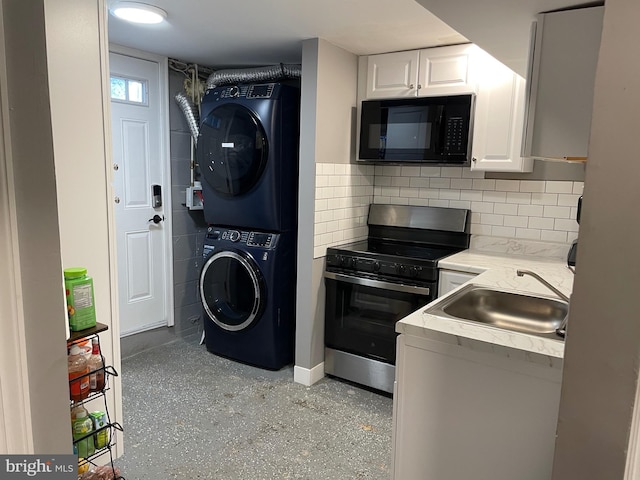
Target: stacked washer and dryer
(248,157)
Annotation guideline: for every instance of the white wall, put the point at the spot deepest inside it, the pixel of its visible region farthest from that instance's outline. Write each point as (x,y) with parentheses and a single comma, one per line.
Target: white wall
(38,328)
(57,202)
(79,96)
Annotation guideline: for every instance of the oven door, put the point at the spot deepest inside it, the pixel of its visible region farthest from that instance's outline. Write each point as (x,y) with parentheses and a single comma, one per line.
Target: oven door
(361,313)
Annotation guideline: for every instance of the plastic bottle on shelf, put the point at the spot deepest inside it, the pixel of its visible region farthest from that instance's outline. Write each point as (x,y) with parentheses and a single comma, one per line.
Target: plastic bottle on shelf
(80,299)
(96,366)
(79,382)
(82,425)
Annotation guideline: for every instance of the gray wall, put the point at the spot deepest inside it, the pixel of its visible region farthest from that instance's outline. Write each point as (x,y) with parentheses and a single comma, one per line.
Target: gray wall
(189,226)
(602,348)
(327,131)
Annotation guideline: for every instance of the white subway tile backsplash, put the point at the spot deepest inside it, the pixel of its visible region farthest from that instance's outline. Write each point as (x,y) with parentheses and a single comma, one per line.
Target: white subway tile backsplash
(558,187)
(505,208)
(491,219)
(462,183)
(515,221)
(528,233)
(565,224)
(578,188)
(503,231)
(449,194)
(518,197)
(482,207)
(532,186)
(508,185)
(460,204)
(467,173)
(544,198)
(440,183)
(541,223)
(429,171)
(530,210)
(429,193)
(553,236)
(390,191)
(568,200)
(410,171)
(483,184)
(471,195)
(410,192)
(451,172)
(557,212)
(491,196)
(400,181)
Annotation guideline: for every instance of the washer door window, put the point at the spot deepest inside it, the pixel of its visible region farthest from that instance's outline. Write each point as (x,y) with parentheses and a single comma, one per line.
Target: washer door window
(232,290)
(232,150)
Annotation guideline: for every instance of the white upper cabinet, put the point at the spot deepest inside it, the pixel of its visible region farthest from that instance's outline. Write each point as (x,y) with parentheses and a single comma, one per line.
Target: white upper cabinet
(447,70)
(499,118)
(565,47)
(392,75)
(498,125)
(428,72)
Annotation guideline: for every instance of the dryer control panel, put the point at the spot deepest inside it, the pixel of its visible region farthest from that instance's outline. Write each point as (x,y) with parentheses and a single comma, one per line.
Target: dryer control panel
(262,90)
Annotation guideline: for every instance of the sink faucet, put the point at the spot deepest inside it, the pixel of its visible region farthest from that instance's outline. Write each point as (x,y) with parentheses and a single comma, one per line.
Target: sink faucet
(562,329)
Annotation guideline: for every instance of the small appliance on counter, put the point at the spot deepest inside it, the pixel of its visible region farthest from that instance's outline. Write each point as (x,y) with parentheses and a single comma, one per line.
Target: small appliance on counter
(573,250)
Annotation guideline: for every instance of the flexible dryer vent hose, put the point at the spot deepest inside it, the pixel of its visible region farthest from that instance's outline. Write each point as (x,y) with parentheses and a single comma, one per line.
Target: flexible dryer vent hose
(190,114)
(252,75)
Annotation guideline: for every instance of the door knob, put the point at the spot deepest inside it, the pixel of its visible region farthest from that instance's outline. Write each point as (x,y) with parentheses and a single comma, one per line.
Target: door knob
(156,219)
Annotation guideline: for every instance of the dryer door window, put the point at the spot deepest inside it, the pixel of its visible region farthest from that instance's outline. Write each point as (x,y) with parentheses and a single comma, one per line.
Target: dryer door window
(232,150)
(232,292)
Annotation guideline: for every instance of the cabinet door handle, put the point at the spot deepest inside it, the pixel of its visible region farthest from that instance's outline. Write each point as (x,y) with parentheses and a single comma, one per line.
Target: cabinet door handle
(411,86)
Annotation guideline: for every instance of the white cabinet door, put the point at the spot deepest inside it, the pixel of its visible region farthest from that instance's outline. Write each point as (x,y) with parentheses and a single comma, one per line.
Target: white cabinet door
(563,69)
(392,75)
(499,118)
(450,280)
(447,70)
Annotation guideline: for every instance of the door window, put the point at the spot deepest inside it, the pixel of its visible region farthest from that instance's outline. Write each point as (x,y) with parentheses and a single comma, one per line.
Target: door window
(232,150)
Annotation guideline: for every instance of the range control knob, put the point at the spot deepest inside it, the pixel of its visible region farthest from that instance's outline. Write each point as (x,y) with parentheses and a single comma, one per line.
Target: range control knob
(352,262)
(234,235)
(376,266)
(413,271)
(402,269)
(234,91)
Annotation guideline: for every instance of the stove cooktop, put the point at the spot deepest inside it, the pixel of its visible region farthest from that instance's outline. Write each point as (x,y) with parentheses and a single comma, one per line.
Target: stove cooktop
(390,260)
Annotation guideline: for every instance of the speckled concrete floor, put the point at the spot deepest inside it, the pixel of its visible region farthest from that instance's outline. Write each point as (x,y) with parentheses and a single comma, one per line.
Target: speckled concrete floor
(189,414)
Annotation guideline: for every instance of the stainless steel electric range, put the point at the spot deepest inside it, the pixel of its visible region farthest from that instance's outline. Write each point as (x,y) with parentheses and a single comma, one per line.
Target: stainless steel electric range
(372,284)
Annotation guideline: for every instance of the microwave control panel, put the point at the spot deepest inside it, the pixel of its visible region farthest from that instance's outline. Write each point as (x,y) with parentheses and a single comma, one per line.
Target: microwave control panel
(454,135)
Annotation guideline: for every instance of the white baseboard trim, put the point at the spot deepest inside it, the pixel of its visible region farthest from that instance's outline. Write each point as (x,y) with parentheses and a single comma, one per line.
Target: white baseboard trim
(307,376)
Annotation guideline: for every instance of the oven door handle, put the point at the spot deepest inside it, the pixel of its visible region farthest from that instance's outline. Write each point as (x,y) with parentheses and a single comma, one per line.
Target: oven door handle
(367,282)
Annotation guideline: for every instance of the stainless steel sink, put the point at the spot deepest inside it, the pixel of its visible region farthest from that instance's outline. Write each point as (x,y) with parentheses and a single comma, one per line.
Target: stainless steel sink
(536,315)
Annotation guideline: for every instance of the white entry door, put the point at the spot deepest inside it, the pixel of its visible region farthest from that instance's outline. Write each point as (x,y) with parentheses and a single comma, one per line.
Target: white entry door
(142,194)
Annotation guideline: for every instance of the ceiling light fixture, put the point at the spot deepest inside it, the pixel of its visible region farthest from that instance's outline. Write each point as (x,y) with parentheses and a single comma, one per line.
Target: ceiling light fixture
(138,12)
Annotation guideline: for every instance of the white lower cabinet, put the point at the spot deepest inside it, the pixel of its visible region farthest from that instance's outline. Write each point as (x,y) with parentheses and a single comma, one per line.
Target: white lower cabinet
(463,412)
(449,280)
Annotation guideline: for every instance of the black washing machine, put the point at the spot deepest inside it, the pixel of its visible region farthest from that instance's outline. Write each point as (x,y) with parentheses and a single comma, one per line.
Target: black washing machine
(248,290)
(248,155)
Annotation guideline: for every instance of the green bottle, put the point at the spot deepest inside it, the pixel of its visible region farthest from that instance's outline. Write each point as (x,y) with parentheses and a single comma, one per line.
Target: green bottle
(80,301)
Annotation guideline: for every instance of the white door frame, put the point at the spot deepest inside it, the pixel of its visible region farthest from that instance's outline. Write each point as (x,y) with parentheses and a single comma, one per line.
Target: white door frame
(163,63)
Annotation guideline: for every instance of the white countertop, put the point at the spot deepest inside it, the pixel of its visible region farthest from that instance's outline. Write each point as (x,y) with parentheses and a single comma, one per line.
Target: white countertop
(497,271)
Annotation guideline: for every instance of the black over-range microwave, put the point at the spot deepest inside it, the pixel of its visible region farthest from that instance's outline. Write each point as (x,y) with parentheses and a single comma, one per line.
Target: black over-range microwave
(417,130)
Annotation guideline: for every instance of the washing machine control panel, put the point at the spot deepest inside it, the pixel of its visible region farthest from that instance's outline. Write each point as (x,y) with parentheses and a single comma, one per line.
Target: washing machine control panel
(251,239)
(266,240)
